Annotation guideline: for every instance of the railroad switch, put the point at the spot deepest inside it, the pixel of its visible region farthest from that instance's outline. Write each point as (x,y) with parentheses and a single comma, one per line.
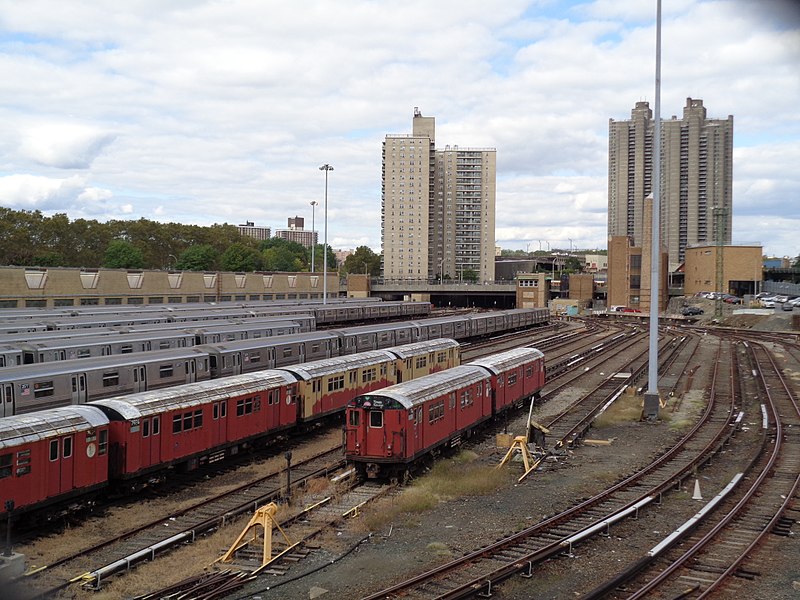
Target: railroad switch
(262,521)
(520,445)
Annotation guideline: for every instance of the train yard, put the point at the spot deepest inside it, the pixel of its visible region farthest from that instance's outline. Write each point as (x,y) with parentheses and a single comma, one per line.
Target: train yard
(613,508)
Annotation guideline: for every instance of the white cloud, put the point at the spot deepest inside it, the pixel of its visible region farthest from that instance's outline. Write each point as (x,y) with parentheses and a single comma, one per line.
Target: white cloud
(206,112)
(64,145)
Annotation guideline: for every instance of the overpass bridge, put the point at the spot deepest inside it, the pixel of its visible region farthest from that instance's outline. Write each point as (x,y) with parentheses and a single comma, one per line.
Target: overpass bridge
(494,294)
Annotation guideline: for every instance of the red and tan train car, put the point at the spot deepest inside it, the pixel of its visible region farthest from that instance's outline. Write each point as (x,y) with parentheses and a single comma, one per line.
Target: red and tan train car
(389,430)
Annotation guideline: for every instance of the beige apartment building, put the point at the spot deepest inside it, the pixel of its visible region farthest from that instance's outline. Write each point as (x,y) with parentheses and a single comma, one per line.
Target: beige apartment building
(696,175)
(296,233)
(437,207)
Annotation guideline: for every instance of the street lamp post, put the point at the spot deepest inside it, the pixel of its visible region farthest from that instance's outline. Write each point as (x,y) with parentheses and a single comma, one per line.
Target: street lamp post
(313,234)
(326,167)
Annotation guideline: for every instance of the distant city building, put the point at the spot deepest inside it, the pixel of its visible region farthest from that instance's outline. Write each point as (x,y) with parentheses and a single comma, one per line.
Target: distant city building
(437,206)
(341,256)
(696,177)
(249,229)
(594,263)
(296,233)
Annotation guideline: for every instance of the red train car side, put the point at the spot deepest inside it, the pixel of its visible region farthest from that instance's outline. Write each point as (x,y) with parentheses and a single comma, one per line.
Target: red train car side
(53,455)
(389,430)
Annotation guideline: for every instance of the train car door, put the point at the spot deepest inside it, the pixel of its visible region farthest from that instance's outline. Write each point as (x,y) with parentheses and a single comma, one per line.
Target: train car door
(79,388)
(190,370)
(236,363)
(219,419)
(375,435)
(139,379)
(54,468)
(7,400)
(67,463)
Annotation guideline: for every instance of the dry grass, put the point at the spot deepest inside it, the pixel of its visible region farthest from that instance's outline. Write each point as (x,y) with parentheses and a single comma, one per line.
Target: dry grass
(453,478)
(626,409)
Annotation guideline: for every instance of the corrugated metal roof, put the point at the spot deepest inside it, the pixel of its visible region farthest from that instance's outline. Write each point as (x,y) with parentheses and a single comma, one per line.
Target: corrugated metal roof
(411,350)
(50,423)
(508,359)
(417,391)
(320,368)
(190,395)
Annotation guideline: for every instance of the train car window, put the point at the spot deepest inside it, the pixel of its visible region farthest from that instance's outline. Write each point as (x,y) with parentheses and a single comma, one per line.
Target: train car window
(408,363)
(198,419)
(480,388)
(187,421)
(42,389)
(156,425)
(355,418)
(126,349)
(315,348)
(53,450)
(102,446)
(163,345)
(67,447)
(255,357)
(422,361)
(244,407)
(528,372)
(512,378)
(376,418)
(500,380)
(110,379)
(176,423)
(215,411)
(369,375)
(352,376)
(165,371)
(336,383)
(84,353)
(452,399)
(287,352)
(5,465)
(419,415)
(146,428)
(223,410)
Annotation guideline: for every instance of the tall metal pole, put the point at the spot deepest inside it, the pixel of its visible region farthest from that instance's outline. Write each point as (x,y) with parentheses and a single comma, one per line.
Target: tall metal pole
(313,234)
(326,167)
(651,398)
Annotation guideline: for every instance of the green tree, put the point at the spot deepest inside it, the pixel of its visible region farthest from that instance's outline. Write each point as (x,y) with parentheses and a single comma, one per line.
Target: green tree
(573,264)
(796,264)
(470,275)
(282,255)
(121,254)
(363,260)
(240,257)
(197,258)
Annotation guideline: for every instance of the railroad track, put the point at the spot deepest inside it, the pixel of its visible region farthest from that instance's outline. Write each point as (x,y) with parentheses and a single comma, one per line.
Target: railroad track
(90,566)
(289,546)
(478,571)
(725,533)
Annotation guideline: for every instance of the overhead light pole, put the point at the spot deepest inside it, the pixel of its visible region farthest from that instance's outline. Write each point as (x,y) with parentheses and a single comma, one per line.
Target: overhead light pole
(313,233)
(326,167)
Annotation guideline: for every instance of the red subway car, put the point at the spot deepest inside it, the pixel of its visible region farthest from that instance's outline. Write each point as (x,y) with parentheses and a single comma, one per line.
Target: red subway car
(389,430)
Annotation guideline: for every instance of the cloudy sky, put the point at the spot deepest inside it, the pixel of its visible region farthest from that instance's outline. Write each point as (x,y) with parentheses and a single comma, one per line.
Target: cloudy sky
(222,111)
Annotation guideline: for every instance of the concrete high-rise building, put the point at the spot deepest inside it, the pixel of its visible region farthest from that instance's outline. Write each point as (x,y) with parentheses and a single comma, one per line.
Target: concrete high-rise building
(696,177)
(437,207)
(252,230)
(296,233)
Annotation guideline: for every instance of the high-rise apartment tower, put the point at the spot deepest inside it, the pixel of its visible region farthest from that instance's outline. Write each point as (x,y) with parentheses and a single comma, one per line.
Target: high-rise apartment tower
(437,207)
(696,177)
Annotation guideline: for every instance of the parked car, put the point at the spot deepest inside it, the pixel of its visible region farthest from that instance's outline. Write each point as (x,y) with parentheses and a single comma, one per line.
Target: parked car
(691,311)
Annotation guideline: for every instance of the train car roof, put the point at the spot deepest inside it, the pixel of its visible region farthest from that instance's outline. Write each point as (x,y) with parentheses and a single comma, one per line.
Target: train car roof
(49,423)
(320,368)
(417,391)
(77,365)
(376,327)
(417,348)
(274,340)
(142,404)
(105,339)
(497,363)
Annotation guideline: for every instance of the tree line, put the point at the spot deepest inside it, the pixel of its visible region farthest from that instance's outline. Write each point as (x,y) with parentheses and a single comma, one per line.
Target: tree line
(29,238)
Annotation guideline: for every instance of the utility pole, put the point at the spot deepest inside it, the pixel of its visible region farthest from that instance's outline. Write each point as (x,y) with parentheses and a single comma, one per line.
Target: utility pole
(720,217)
